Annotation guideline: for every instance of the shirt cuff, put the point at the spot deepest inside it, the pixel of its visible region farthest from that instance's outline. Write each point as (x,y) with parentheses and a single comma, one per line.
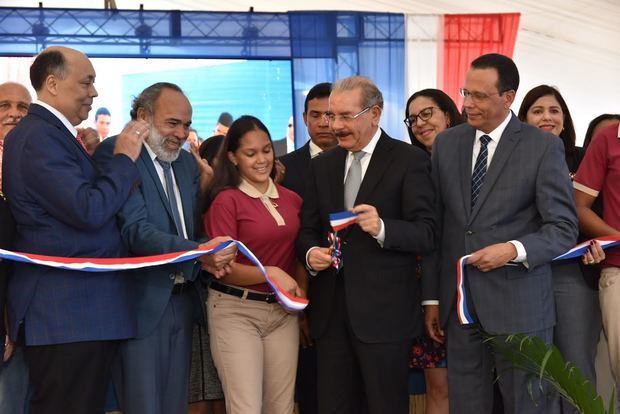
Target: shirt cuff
(430,302)
(308,267)
(380,237)
(521,253)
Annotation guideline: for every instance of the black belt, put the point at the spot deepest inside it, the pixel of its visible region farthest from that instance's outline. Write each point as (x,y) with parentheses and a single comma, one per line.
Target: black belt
(182,287)
(244,293)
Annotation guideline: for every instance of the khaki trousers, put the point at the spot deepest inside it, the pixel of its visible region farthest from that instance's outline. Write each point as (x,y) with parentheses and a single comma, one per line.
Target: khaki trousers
(609,297)
(254,347)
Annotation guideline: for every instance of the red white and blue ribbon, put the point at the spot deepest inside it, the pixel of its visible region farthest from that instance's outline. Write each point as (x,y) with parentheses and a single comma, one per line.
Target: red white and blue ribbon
(461,296)
(342,220)
(289,302)
(338,221)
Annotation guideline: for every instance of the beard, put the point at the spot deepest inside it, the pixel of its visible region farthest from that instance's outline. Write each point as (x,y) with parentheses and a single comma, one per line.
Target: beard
(157,143)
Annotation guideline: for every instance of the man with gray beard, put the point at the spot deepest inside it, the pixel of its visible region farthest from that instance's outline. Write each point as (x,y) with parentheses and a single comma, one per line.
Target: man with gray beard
(161,217)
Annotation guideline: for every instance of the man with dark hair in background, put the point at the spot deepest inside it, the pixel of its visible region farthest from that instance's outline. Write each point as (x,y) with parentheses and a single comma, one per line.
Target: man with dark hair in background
(224,121)
(321,136)
(103,118)
(69,321)
(503,195)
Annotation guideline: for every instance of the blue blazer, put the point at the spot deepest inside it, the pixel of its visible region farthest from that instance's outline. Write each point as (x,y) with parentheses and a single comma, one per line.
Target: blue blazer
(147,228)
(64,206)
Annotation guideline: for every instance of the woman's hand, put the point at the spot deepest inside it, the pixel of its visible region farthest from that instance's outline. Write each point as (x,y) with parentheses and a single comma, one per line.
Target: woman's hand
(594,254)
(286,282)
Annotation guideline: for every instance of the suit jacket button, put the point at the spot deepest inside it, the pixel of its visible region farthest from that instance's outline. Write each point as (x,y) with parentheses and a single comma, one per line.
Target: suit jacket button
(469,232)
(171,276)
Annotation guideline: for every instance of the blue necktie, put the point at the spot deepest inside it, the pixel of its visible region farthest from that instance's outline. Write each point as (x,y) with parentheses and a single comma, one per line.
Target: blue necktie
(480,169)
(171,197)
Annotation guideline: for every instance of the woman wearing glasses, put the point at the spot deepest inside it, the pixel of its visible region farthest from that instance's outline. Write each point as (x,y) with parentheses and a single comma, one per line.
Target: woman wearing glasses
(429,112)
(578,316)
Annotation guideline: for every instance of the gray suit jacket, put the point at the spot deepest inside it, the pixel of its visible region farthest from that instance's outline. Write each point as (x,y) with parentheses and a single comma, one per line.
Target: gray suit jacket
(527,196)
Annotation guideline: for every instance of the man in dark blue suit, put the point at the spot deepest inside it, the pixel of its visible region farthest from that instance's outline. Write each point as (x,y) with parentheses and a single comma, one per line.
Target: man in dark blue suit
(161,216)
(69,321)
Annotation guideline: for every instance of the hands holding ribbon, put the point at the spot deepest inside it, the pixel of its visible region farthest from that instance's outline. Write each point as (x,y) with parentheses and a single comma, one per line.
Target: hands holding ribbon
(493,256)
(319,258)
(594,254)
(286,282)
(368,218)
(218,263)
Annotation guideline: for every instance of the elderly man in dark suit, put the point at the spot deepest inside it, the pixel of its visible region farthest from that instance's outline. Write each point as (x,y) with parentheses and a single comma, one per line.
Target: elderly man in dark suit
(70,321)
(161,216)
(503,195)
(364,314)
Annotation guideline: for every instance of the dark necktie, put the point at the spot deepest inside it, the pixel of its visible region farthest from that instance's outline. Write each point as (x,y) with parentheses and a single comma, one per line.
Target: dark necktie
(172,200)
(353,180)
(480,169)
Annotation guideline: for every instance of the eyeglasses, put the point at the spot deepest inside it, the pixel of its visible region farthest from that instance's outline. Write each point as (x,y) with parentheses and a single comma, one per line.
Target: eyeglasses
(425,114)
(331,117)
(477,96)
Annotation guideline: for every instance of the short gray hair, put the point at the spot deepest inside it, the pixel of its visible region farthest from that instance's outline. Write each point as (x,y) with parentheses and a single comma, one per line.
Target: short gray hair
(371,95)
(146,99)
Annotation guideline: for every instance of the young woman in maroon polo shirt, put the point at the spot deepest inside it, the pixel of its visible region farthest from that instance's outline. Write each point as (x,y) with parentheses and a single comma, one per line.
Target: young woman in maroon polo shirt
(254,341)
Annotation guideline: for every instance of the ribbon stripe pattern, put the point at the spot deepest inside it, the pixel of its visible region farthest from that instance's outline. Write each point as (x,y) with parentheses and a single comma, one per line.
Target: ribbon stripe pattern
(288,301)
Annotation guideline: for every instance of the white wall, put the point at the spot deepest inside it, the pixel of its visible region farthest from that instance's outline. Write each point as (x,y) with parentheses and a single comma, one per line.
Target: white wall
(589,83)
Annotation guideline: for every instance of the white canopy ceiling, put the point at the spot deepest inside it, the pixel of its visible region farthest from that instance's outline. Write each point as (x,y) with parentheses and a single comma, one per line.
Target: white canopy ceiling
(588,28)
(572,44)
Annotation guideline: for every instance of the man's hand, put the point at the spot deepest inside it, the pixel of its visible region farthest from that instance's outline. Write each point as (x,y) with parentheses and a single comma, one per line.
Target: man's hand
(319,258)
(218,263)
(368,218)
(433,327)
(90,138)
(493,256)
(129,141)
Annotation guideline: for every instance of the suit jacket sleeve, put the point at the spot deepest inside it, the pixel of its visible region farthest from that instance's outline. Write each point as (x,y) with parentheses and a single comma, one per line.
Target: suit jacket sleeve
(58,184)
(311,226)
(556,206)
(414,231)
(430,262)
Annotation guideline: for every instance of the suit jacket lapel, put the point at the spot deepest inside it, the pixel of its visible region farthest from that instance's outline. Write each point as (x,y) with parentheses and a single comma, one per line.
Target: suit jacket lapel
(51,118)
(465,167)
(502,153)
(379,163)
(183,178)
(335,174)
(147,163)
